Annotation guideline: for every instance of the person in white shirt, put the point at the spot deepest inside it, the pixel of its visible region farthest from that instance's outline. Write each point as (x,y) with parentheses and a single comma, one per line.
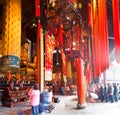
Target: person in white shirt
(50,95)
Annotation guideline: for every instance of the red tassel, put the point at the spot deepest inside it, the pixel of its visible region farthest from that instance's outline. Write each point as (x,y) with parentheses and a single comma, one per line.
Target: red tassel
(77,32)
(61,35)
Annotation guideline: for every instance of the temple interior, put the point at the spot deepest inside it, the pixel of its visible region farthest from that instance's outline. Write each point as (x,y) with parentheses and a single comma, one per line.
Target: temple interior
(55,42)
(18,35)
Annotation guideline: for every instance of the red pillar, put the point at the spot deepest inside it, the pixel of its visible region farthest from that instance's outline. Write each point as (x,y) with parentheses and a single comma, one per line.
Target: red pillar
(81,84)
(38,64)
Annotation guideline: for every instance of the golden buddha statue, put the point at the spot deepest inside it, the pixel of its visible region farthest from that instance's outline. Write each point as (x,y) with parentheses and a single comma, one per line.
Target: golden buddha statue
(26,66)
(24,53)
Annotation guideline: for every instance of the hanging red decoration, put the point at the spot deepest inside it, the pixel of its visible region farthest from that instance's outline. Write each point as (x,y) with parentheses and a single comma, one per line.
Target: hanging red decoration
(77,33)
(89,15)
(95,41)
(49,47)
(37,8)
(99,37)
(61,35)
(63,62)
(115,8)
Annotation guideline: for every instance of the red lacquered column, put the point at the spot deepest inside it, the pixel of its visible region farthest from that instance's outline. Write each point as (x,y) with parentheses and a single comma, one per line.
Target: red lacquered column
(81,84)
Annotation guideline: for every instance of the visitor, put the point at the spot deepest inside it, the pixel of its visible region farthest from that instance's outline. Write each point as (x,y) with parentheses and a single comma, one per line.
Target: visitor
(115,93)
(106,94)
(34,95)
(101,95)
(111,92)
(50,95)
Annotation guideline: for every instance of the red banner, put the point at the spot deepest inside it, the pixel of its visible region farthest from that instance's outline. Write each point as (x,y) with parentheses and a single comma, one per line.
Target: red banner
(95,41)
(89,15)
(50,44)
(63,62)
(115,8)
(99,38)
(103,33)
(37,8)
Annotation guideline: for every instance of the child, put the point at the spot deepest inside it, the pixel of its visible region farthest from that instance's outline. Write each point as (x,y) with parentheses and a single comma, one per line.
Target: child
(34,95)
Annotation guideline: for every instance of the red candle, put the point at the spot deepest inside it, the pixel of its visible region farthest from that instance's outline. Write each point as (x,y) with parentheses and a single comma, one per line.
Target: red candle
(9,75)
(18,76)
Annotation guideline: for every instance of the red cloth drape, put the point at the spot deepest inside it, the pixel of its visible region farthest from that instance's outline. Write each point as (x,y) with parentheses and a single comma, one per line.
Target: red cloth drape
(61,49)
(99,37)
(95,40)
(103,33)
(115,8)
(106,35)
(49,47)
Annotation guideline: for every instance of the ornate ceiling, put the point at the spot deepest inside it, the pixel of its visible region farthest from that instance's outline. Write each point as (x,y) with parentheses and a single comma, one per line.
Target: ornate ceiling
(62,9)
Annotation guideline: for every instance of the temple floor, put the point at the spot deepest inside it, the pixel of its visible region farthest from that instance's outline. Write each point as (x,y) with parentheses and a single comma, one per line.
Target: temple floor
(68,106)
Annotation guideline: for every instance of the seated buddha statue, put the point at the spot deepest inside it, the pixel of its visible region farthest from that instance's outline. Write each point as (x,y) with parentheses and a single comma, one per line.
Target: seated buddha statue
(25,61)
(24,53)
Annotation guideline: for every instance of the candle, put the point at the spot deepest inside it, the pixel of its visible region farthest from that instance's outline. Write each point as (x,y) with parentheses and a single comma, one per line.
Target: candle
(9,75)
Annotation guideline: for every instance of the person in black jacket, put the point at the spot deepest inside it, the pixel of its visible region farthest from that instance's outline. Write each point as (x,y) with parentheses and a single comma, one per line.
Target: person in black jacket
(106,95)
(101,95)
(115,93)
